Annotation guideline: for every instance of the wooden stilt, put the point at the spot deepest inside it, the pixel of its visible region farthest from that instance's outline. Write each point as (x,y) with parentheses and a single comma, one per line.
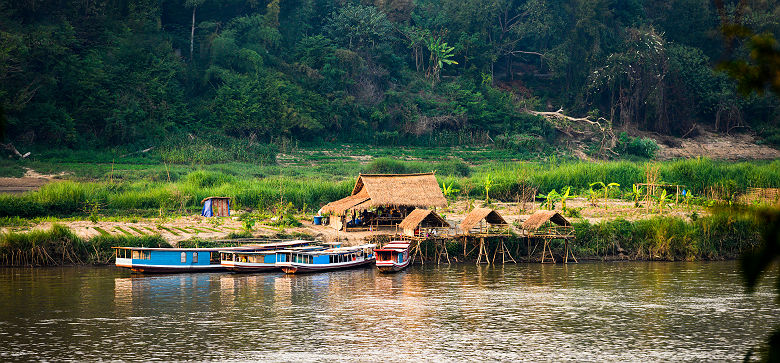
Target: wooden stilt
(441,250)
(482,252)
(546,248)
(569,252)
(417,253)
(504,253)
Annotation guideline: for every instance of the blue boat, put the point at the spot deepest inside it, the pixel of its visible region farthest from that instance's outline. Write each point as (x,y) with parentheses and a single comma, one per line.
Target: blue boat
(292,261)
(260,261)
(167,260)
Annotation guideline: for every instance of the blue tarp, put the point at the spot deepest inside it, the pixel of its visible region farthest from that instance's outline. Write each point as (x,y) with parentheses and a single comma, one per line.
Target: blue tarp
(207,212)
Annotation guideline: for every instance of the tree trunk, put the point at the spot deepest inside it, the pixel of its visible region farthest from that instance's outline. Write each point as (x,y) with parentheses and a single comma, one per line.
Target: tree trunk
(192,32)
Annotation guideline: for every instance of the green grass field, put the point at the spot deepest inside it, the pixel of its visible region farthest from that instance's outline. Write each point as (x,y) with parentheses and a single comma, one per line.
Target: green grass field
(111,185)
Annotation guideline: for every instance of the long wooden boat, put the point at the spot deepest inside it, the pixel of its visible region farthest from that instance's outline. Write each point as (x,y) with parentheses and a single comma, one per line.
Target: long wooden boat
(324,260)
(393,257)
(260,261)
(168,260)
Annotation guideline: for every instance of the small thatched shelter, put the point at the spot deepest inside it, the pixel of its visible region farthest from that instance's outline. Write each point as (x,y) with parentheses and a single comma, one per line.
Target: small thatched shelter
(484,221)
(547,223)
(216,207)
(385,199)
(424,223)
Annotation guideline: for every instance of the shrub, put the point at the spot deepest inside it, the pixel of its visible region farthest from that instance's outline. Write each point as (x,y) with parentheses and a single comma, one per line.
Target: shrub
(386,166)
(642,147)
(454,167)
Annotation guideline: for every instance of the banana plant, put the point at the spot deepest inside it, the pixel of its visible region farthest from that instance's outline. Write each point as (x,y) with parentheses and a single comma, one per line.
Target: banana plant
(687,199)
(441,54)
(565,196)
(606,188)
(550,199)
(636,193)
(662,200)
(488,185)
(448,190)
(592,197)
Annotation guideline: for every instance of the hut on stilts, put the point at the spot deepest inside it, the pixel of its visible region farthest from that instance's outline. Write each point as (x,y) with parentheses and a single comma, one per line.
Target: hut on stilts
(384,200)
(425,225)
(482,223)
(548,226)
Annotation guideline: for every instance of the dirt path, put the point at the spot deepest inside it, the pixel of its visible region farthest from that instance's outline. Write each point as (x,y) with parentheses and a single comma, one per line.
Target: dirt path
(31,180)
(717,146)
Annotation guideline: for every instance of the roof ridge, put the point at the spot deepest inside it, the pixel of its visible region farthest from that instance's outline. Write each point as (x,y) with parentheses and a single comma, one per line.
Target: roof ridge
(412,174)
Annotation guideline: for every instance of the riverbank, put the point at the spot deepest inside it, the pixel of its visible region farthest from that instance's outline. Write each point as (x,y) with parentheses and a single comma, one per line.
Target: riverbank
(722,235)
(139,202)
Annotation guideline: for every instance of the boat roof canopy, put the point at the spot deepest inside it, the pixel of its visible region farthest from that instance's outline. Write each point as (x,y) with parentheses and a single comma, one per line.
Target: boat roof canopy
(194,249)
(334,250)
(225,249)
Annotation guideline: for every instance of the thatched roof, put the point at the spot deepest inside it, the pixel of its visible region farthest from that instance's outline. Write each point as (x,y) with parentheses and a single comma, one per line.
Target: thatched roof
(207,198)
(343,204)
(397,190)
(414,219)
(478,214)
(537,219)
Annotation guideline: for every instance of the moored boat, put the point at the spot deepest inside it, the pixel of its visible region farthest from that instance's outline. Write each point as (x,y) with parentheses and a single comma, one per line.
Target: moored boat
(260,261)
(330,259)
(393,257)
(168,260)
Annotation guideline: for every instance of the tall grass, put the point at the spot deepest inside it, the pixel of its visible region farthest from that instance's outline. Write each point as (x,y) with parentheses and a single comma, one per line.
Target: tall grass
(60,246)
(218,151)
(384,165)
(312,187)
(722,235)
(696,175)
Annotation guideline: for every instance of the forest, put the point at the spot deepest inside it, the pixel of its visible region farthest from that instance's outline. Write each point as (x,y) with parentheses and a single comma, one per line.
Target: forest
(134,74)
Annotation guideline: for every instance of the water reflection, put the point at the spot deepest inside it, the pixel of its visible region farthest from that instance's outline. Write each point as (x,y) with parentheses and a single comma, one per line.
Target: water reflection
(599,311)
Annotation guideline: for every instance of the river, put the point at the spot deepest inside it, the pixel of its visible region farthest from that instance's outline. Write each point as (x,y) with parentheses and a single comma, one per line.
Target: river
(632,311)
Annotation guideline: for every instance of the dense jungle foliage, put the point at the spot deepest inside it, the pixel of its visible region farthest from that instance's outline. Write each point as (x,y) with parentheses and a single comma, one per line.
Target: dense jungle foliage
(94,74)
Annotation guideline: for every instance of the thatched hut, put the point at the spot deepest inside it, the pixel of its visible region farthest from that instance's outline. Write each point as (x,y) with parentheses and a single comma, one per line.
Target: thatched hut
(547,223)
(484,221)
(384,199)
(424,223)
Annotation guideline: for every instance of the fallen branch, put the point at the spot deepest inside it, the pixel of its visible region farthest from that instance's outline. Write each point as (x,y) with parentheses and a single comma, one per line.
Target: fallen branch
(603,126)
(139,152)
(10,147)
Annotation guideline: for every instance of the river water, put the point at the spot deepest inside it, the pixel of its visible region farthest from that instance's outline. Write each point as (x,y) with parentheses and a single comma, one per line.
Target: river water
(637,311)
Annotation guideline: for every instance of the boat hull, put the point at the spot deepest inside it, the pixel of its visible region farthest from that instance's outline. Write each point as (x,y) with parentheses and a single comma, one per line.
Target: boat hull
(172,269)
(390,267)
(251,267)
(297,268)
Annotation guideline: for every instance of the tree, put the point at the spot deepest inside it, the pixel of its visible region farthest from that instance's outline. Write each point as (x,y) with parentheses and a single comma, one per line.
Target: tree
(194,5)
(440,54)
(359,27)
